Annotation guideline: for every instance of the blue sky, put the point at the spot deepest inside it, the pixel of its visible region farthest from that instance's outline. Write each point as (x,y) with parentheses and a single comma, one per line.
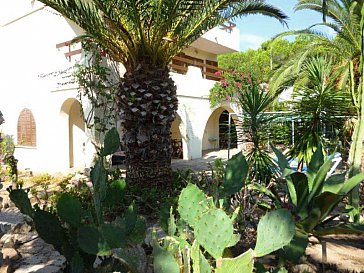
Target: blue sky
(255,29)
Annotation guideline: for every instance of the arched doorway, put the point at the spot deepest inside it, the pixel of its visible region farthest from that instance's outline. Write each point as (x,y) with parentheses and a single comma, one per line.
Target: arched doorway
(227,134)
(216,134)
(72,115)
(176,136)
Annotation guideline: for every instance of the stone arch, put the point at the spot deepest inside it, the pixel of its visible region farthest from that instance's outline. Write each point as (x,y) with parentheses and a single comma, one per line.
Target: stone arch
(73,121)
(212,134)
(26,129)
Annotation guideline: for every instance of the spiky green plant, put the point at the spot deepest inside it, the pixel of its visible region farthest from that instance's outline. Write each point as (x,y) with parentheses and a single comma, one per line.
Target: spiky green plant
(318,103)
(254,127)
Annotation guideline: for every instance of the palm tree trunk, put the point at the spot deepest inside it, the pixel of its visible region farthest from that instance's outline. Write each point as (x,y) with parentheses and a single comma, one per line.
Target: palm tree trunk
(147,103)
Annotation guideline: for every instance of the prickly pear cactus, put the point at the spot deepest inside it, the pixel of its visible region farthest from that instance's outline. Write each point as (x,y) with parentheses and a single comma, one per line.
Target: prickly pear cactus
(111,142)
(69,209)
(235,174)
(275,230)
(192,203)
(49,228)
(163,259)
(214,231)
(100,240)
(242,264)
(21,200)
(200,264)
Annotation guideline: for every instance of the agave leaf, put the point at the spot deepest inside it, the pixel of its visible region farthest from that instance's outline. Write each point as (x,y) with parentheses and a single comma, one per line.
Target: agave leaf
(316,182)
(301,188)
(264,190)
(334,183)
(286,172)
(341,229)
(321,207)
(282,160)
(316,162)
(311,221)
(351,183)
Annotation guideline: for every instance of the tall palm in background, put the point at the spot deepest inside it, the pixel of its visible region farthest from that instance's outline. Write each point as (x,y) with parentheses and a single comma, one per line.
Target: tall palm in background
(144,35)
(343,18)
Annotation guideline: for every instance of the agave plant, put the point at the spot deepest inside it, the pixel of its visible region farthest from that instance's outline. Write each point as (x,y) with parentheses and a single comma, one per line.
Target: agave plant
(313,197)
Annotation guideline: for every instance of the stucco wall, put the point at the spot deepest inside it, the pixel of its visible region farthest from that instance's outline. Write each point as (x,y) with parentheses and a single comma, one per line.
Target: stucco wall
(29,51)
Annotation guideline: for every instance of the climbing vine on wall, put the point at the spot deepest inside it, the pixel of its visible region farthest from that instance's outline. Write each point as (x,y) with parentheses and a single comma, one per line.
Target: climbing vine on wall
(98,80)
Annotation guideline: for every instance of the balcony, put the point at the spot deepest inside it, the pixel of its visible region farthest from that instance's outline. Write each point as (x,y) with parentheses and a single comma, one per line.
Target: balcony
(179,63)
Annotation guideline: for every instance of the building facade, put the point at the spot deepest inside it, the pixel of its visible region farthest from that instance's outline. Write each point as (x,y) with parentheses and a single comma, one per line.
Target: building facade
(43,113)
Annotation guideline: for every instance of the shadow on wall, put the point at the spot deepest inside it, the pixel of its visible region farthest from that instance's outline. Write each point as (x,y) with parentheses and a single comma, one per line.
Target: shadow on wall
(73,119)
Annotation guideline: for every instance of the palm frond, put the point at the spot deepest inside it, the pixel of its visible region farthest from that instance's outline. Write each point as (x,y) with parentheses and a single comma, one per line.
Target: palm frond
(133,29)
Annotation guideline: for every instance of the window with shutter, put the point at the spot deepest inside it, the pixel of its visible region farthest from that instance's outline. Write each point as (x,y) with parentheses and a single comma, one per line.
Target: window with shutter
(26,129)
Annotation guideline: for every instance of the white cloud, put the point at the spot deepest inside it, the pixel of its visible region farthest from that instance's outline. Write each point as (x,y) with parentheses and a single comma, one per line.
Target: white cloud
(252,41)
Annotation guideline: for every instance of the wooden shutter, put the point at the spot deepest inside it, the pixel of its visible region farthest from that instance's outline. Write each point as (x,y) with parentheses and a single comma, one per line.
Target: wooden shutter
(26,129)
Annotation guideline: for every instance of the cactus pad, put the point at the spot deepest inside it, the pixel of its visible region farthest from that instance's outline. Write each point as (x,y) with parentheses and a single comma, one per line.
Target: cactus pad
(49,228)
(242,264)
(90,241)
(200,264)
(235,174)
(163,260)
(69,209)
(21,200)
(192,203)
(214,231)
(275,230)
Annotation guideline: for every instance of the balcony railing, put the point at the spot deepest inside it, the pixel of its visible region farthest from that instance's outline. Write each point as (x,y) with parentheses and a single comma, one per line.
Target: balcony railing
(179,63)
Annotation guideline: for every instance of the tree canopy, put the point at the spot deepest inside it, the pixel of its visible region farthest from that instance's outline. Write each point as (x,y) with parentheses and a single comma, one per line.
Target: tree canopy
(261,63)
(130,30)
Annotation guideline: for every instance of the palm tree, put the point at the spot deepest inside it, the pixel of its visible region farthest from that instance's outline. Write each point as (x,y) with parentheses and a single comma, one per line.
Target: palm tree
(342,17)
(144,35)
(319,103)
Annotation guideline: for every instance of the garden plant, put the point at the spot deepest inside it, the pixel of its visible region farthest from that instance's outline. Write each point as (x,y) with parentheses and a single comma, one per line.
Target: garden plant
(81,233)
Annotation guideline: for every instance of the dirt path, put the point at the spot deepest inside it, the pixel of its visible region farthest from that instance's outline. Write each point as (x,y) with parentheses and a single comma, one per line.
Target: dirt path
(344,252)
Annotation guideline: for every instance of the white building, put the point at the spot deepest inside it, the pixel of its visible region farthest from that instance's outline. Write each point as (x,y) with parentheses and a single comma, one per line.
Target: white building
(44,117)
